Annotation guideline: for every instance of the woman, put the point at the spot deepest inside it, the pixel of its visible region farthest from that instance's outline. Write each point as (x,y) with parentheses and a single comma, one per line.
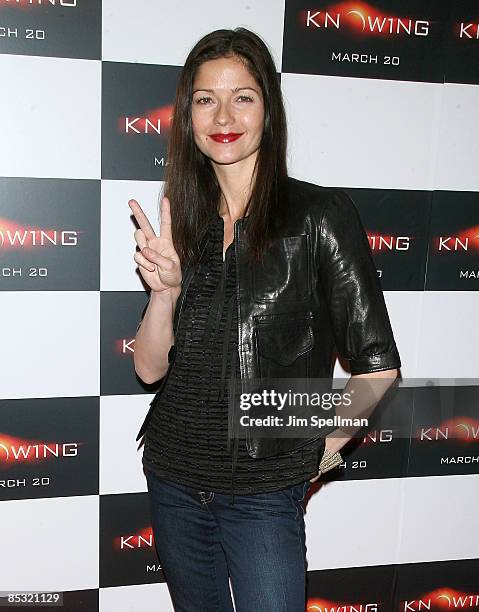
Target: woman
(254,274)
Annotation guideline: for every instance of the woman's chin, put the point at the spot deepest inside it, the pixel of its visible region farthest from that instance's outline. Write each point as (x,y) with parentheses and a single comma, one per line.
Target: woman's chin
(225,160)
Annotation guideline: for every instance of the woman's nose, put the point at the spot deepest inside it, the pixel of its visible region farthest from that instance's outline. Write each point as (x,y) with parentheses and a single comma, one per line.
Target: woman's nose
(223,114)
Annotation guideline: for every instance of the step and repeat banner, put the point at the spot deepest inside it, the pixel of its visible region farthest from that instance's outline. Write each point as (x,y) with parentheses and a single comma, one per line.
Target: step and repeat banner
(382,99)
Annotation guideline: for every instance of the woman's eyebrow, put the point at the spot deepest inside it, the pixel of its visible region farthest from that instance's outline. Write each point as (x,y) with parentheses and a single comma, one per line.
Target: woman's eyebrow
(235,89)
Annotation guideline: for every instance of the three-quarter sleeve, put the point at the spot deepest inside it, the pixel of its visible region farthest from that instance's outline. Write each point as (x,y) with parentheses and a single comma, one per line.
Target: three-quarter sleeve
(357,310)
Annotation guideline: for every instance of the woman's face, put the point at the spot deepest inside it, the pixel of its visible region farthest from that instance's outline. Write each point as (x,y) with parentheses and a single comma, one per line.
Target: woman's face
(227,111)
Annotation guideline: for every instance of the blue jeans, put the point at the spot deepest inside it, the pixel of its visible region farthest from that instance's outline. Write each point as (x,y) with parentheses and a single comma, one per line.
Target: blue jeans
(259,542)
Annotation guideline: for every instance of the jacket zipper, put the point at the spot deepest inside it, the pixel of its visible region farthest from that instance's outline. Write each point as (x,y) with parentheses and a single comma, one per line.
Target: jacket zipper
(240,343)
(240,340)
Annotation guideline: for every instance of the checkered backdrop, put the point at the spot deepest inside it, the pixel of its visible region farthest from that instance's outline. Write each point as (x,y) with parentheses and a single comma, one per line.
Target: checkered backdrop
(382,100)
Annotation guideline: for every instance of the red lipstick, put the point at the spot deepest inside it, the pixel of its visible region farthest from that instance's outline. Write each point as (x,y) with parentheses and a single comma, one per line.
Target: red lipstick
(226,138)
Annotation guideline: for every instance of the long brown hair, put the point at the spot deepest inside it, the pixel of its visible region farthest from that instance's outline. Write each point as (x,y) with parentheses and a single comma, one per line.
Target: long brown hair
(190,181)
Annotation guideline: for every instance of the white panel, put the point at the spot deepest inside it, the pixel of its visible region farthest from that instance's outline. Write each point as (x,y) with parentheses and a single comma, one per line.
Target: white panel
(164,32)
(51,110)
(408,520)
(458,141)
(121,417)
(449,335)
(362,132)
(50,544)
(53,344)
(404,308)
(118,268)
(353,524)
(144,597)
(439,519)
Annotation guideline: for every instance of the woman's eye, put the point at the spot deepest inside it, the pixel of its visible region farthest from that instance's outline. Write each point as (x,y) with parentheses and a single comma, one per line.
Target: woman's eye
(205,99)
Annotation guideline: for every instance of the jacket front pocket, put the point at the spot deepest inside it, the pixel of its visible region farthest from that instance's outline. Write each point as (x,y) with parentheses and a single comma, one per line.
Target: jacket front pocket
(284,351)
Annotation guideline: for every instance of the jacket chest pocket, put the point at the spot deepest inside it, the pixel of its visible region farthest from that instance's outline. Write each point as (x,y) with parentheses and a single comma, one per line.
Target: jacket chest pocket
(284,351)
(285,273)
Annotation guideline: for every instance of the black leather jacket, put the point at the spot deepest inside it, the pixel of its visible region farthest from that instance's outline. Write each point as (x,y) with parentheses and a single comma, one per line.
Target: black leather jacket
(317,291)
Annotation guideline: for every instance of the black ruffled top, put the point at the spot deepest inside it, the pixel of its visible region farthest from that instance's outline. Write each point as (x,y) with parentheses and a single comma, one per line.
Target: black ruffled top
(187,438)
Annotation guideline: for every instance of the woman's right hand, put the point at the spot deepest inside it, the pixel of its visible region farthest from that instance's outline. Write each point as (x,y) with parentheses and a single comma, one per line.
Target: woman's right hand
(157,259)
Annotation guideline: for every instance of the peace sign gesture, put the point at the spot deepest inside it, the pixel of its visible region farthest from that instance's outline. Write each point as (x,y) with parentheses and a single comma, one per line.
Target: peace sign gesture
(157,259)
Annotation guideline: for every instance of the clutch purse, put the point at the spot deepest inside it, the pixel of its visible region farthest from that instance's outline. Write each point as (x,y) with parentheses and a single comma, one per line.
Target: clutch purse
(329,461)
